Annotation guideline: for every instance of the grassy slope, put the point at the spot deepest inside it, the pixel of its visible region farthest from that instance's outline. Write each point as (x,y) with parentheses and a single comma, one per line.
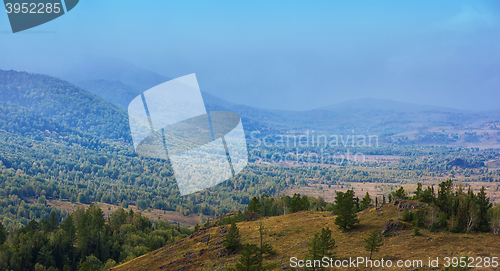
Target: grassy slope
(290,234)
(153,214)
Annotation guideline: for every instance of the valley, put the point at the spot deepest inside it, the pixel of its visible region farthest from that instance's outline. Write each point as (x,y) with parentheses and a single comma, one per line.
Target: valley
(64,150)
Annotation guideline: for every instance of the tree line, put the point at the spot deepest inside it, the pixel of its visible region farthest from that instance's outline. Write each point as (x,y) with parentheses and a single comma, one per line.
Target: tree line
(85,240)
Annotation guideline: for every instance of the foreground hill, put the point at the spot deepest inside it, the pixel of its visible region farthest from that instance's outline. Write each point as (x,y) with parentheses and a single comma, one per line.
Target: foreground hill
(290,235)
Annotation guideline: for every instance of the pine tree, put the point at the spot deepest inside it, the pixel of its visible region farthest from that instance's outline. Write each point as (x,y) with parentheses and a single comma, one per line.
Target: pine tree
(3,234)
(321,245)
(418,191)
(314,250)
(233,239)
(254,205)
(345,209)
(265,247)
(373,243)
(445,196)
(366,202)
(53,221)
(250,259)
(327,242)
(483,204)
(399,194)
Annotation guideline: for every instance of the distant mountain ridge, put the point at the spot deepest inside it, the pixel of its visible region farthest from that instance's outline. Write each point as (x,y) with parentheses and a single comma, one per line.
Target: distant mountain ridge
(385,118)
(385,104)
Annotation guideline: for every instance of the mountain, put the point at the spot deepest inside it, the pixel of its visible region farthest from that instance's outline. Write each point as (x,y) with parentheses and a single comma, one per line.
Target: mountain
(387,119)
(115,92)
(383,104)
(109,69)
(66,104)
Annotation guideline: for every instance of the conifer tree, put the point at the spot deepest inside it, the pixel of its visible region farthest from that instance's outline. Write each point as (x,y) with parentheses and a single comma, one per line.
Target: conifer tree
(321,245)
(483,204)
(250,259)
(3,233)
(254,205)
(345,209)
(327,242)
(265,247)
(373,243)
(233,239)
(366,202)
(418,191)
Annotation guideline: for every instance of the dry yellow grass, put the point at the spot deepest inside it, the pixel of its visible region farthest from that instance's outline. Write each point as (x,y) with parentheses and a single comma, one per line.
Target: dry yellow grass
(328,193)
(153,214)
(290,234)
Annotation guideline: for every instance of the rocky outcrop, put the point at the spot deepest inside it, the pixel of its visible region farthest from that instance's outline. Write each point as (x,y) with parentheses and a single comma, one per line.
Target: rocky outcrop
(391,227)
(407,205)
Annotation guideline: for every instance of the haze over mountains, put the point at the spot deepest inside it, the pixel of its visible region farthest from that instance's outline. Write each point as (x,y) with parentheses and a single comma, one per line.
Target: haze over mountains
(119,82)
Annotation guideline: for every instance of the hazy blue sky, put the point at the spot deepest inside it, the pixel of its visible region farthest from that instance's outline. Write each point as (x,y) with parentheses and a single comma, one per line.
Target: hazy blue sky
(286,54)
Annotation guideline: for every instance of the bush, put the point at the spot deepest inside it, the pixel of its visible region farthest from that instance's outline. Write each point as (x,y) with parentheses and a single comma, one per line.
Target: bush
(416,231)
(407,216)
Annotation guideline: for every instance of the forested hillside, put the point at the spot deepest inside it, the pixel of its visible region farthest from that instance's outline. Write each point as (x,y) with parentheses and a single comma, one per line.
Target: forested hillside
(64,103)
(85,240)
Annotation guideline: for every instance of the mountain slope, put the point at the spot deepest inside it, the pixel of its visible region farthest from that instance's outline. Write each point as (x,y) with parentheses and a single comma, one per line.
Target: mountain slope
(64,103)
(291,233)
(122,94)
(106,68)
(115,92)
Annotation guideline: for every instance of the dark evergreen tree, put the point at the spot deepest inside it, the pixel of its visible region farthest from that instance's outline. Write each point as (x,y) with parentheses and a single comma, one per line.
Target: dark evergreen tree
(445,197)
(418,191)
(366,202)
(373,243)
(3,234)
(327,242)
(254,205)
(483,205)
(345,209)
(315,250)
(298,203)
(399,194)
(233,239)
(250,259)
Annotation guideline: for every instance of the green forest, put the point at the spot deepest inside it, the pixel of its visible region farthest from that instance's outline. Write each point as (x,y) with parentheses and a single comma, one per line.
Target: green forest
(85,240)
